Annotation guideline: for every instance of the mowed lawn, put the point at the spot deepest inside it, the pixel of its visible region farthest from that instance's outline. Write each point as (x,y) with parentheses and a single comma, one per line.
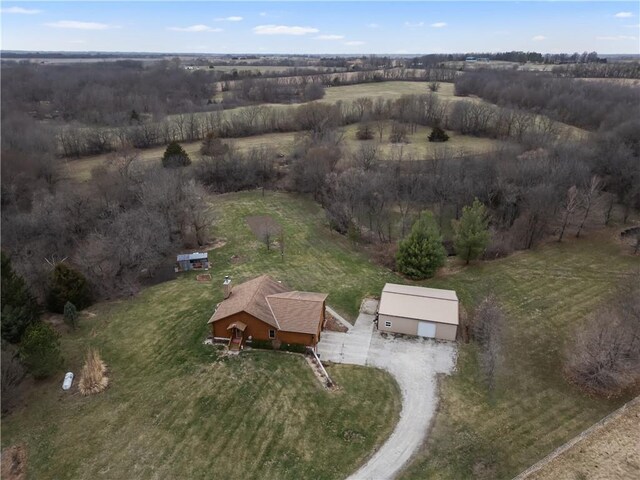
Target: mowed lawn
(315,258)
(174,409)
(546,294)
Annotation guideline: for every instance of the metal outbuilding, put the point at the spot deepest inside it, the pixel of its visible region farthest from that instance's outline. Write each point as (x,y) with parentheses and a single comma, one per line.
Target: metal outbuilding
(426,312)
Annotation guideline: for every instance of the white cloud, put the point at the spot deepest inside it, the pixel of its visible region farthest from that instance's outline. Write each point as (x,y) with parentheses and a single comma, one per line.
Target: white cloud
(20,10)
(623,15)
(354,43)
(637,25)
(439,25)
(263,14)
(539,38)
(283,30)
(329,37)
(373,25)
(72,24)
(229,19)
(414,25)
(616,38)
(195,28)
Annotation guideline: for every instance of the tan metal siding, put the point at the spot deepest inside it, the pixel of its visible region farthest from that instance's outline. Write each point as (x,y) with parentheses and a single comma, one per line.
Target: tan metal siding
(446,332)
(409,326)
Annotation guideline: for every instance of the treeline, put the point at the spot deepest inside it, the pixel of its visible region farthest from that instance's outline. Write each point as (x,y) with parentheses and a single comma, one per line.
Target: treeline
(590,105)
(467,117)
(599,70)
(105,93)
(513,56)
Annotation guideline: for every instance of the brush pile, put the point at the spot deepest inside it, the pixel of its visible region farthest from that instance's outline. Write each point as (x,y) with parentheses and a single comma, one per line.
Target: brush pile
(93,377)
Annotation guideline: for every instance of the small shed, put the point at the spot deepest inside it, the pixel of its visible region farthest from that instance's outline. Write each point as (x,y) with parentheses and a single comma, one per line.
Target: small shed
(192,261)
(421,311)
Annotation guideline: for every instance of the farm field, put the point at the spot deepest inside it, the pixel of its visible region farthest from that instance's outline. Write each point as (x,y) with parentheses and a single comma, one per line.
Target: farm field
(387,90)
(418,147)
(174,409)
(546,294)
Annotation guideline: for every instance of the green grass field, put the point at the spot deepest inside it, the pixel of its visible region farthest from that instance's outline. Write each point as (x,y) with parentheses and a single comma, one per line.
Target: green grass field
(546,294)
(315,259)
(176,410)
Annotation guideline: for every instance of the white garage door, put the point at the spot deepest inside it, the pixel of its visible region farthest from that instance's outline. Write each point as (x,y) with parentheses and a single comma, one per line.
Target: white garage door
(427,329)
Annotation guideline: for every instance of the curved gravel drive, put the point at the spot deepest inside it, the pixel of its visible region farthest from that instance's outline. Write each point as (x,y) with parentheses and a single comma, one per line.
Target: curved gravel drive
(414,363)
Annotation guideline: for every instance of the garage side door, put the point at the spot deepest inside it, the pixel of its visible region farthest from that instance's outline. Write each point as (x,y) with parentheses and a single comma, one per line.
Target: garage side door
(427,329)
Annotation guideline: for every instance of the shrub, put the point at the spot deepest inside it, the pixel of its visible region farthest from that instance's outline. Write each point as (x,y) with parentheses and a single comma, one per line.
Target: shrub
(40,350)
(12,374)
(212,146)
(175,156)
(262,344)
(293,347)
(364,132)
(434,86)
(67,285)
(71,315)
(19,308)
(438,135)
(421,253)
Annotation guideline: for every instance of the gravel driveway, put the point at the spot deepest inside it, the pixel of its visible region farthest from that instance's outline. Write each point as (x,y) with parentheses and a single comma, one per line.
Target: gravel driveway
(414,363)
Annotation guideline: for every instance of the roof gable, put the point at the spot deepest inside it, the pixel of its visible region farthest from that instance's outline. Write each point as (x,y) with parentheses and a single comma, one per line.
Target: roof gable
(250,297)
(298,312)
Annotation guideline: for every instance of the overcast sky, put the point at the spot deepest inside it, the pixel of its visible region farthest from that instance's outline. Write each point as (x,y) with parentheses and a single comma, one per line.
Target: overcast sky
(322,27)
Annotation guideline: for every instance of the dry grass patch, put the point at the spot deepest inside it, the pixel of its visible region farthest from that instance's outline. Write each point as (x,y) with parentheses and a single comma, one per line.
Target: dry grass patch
(93,377)
(14,463)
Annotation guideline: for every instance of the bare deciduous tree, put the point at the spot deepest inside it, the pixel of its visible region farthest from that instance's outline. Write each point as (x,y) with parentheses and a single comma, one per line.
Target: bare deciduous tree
(487,331)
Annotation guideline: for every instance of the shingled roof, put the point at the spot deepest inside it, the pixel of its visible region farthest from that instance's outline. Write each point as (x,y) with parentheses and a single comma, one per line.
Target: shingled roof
(297,312)
(251,297)
(274,304)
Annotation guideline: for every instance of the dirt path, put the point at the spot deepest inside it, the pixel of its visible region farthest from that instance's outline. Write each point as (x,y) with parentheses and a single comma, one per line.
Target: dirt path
(415,364)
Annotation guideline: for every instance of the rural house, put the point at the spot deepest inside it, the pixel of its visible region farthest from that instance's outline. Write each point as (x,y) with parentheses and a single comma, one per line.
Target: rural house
(426,312)
(264,309)
(192,261)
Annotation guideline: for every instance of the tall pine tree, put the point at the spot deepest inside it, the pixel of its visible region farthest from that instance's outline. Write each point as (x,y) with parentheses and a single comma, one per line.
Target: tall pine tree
(421,253)
(471,232)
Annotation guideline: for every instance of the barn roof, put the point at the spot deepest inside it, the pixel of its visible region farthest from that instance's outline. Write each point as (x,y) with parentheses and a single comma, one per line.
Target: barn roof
(274,304)
(419,303)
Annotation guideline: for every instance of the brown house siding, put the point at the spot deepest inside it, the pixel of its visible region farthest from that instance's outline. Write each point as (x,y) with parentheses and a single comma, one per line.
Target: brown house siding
(259,330)
(255,328)
(292,337)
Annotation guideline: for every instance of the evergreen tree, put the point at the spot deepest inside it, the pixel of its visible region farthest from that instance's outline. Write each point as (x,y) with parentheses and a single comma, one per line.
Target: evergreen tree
(421,253)
(471,232)
(438,135)
(40,350)
(19,308)
(175,156)
(71,315)
(67,285)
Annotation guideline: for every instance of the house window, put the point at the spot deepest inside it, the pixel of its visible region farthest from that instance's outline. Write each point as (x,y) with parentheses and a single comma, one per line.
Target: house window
(272,334)
(387,323)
